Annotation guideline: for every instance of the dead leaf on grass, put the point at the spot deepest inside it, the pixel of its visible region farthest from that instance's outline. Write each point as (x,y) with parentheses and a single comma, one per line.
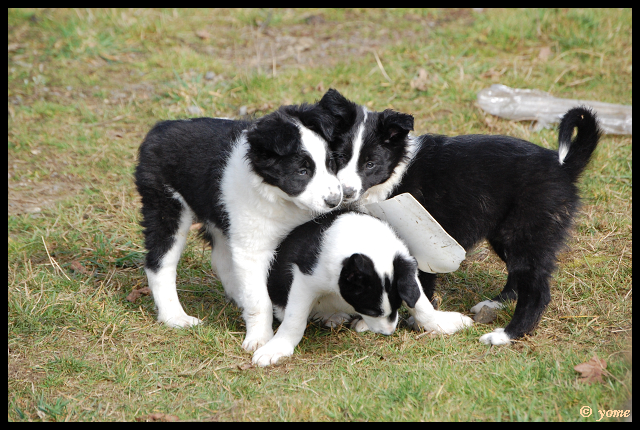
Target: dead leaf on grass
(135,294)
(78,267)
(592,370)
(203,34)
(421,83)
(545,53)
(245,366)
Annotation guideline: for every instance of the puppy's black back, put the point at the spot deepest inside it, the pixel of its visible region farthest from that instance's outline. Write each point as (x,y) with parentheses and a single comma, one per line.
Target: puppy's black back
(522,198)
(471,184)
(188,156)
(302,248)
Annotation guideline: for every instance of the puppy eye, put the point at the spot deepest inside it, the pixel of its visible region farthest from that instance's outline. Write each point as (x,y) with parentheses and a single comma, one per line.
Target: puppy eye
(302,172)
(370,165)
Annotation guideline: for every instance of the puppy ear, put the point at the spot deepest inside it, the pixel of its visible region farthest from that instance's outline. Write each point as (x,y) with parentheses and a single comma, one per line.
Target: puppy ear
(395,125)
(404,276)
(314,118)
(340,108)
(356,270)
(273,134)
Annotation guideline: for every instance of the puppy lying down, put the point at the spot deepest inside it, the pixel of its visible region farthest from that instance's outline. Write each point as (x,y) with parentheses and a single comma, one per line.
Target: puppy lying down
(340,265)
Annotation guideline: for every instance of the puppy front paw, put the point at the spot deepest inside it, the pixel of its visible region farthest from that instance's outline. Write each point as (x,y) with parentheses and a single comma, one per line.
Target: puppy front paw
(496,337)
(256,339)
(359,325)
(179,320)
(442,322)
(272,352)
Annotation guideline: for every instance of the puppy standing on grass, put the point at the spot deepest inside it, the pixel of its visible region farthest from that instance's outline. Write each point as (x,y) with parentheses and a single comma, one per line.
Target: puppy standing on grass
(522,198)
(344,264)
(249,183)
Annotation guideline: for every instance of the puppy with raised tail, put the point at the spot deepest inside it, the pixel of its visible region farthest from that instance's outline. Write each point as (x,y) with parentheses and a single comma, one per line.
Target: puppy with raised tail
(519,196)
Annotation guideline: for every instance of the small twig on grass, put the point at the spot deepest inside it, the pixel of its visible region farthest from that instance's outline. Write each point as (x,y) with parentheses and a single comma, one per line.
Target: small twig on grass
(359,360)
(55,265)
(380,66)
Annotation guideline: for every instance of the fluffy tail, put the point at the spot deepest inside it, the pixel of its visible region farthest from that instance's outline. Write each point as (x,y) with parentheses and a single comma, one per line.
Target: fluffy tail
(574,155)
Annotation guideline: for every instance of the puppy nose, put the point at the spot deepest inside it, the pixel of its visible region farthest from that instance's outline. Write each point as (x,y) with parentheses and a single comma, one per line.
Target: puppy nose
(333,200)
(348,192)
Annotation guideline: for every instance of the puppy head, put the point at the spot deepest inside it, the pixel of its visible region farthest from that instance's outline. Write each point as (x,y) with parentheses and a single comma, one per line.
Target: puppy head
(375,297)
(294,159)
(369,152)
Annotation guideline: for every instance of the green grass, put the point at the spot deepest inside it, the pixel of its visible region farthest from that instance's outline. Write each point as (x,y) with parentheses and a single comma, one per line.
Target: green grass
(84,86)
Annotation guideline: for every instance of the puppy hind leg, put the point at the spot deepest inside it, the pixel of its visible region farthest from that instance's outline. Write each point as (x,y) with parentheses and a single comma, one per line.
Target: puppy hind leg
(165,237)
(510,290)
(533,297)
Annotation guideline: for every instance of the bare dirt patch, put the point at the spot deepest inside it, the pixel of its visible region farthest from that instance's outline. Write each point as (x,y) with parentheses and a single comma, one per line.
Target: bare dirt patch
(29,197)
(317,40)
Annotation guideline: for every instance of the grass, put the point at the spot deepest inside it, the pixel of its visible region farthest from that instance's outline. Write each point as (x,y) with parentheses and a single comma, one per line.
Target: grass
(85,85)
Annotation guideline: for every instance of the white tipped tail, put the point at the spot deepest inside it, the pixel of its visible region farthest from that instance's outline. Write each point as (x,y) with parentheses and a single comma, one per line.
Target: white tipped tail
(563,150)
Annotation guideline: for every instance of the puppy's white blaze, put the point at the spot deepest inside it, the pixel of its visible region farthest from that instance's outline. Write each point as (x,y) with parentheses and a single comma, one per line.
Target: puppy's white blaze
(381,325)
(563,150)
(324,184)
(348,176)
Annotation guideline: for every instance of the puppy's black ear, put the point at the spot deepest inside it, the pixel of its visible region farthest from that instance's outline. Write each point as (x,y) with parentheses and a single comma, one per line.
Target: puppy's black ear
(340,108)
(394,126)
(313,117)
(404,276)
(273,134)
(357,270)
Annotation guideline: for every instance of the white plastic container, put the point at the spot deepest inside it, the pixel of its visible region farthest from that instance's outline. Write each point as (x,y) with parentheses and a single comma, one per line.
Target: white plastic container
(428,242)
(536,105)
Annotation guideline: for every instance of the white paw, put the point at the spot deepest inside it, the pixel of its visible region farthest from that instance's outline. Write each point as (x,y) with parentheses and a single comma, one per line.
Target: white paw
(335,320)
(255,341)
(496,337)
(179,321)
(442,322)
(273,351)
(490,303)
(359,325)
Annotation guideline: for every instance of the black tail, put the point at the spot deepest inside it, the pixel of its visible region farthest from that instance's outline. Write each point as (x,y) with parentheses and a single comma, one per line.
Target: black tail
(574,155)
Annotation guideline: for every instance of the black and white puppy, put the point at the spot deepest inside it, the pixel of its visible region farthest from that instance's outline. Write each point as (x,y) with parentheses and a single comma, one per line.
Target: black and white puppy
(250,183)
(344,264)
(521,197)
